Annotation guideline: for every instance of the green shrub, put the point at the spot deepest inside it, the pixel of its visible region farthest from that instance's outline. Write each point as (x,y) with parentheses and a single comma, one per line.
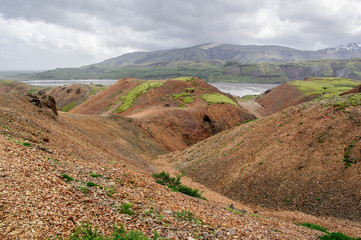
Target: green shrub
(91,184)
(174,183)
(163,178)
(336,236)
(125,208)
(313,226)
(66,177)
(189,191)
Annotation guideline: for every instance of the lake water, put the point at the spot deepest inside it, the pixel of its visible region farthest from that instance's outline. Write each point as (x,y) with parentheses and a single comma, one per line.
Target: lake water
(235,89)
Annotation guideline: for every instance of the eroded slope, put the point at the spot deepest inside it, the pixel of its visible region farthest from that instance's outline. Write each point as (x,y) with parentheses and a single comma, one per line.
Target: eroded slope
(304,158)
(176,113)
(54,176)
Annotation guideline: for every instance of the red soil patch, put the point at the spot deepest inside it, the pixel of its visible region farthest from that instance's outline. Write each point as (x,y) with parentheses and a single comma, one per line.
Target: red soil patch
(352,91)
(282,97)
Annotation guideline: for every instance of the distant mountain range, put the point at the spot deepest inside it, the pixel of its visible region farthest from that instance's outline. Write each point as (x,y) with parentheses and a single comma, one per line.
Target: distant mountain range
(223,63)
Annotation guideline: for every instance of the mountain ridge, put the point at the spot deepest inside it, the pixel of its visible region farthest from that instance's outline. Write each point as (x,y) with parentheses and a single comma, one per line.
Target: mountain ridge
(222,63)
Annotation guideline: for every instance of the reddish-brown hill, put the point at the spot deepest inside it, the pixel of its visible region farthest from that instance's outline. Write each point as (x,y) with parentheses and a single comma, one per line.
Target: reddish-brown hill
(173,113)
(304,158)
(296,92)
(282,97)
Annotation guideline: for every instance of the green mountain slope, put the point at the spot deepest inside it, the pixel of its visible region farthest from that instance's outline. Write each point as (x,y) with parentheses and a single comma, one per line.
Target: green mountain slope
(222,63)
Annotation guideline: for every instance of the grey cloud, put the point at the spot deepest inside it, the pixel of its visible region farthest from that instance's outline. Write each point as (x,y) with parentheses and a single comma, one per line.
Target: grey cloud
(110,28)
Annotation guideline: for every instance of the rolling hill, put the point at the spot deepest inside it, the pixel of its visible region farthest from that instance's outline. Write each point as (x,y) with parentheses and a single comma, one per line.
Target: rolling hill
(176,113)
(303,158)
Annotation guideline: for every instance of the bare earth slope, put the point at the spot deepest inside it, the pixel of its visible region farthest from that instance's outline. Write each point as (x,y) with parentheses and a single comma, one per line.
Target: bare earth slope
(304,158)
(300,91)
(172,112)
(46,165)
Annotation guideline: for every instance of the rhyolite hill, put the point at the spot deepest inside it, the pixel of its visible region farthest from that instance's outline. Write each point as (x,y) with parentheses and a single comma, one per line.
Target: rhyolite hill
(222,63)
(300,91)
(306,157)
(176,113)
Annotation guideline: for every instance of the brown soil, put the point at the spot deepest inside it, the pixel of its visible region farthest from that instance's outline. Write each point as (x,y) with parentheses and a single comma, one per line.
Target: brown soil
(158,114)
(36,202)
(282,97)
(352,91)
(255,108)
(290,160)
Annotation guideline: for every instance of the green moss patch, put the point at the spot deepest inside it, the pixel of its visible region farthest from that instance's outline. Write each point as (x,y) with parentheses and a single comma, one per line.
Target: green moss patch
(69,107)
(217,98)
(326,87)
(128,100)
(184,96)
(350,100)
(184,79)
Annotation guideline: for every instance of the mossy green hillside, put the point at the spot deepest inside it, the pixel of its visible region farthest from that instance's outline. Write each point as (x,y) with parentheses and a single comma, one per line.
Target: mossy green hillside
(184,96)
(128,99)
(184,79)
(325,87)
(349,100)
(217,98)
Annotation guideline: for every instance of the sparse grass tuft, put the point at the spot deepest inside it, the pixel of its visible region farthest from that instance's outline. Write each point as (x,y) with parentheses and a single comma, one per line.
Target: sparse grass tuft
(88,232)
(188,216)
(94,175)
(125,208)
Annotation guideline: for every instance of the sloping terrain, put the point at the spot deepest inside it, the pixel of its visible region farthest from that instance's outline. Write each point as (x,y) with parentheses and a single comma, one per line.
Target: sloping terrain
(222,63)
(305,158)
(16,87)
(56,175)
(176,113)
(300,91)
(69,96)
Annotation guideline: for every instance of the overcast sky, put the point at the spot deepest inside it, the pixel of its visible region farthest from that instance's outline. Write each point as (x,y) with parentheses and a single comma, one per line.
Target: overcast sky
(45,34)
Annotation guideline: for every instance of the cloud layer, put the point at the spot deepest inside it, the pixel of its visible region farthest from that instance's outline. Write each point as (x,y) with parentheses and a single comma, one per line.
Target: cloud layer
(44,34)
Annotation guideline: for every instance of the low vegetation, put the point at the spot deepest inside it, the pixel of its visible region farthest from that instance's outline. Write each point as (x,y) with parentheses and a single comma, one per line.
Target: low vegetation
(349,100)
(217,98)
(328,235)
(174,183)
(69,107)
(88,232)
(128,100)
(325,87)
